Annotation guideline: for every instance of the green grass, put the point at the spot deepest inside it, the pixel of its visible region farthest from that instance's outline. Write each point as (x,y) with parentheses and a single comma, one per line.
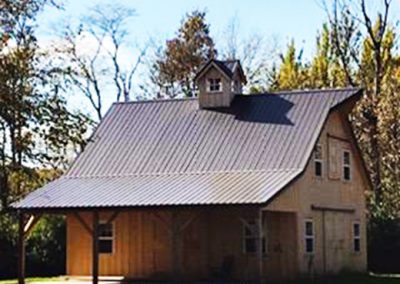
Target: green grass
(34,279)
(354,279)
(349,279)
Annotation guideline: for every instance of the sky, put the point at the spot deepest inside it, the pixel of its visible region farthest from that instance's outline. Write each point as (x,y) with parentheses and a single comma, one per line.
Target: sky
(285,19)
(281,20)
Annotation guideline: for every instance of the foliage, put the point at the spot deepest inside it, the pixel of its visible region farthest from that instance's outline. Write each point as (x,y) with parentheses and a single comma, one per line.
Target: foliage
(292,74)
(355,50)
(46,247)
(36,127)
(39,134)
(384,245)
(176,66)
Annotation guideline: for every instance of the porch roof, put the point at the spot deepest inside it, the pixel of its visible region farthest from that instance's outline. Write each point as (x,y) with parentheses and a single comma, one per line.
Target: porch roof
(156,190)
(172,153)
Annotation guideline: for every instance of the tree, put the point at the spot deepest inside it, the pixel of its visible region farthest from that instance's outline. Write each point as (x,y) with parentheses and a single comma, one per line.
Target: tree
(291,73)
(33,116)
(176,66)
(38,132)
(255,53)
(94,72)
(321,64)
(346,35)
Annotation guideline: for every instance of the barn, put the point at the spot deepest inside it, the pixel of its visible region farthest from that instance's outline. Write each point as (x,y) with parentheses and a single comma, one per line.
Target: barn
(225,186)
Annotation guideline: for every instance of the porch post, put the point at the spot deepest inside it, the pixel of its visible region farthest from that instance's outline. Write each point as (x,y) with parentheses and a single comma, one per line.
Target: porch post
(21,248)
(260,245)
(175,239)
(95,250)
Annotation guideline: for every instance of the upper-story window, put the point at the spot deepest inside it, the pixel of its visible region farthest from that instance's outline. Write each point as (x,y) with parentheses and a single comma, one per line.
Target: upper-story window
(346,165)
(318,160)
(214,85)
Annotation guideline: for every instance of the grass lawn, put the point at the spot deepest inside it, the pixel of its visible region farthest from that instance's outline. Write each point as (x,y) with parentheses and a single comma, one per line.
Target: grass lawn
(34,279)
(351,279)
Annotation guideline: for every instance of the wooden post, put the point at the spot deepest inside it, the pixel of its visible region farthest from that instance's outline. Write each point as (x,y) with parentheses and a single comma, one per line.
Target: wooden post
(260,245)
(95,251)
(21,248)
(175,233)
(324,240)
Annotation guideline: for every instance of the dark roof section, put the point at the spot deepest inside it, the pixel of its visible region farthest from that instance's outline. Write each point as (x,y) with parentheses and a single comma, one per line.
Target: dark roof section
(227,66)
(173,153)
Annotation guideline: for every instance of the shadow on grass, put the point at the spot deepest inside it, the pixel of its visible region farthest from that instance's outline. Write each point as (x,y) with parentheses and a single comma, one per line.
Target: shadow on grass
(352,279)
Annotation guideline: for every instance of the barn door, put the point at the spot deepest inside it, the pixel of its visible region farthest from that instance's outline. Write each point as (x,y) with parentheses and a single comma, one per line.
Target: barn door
(335,241)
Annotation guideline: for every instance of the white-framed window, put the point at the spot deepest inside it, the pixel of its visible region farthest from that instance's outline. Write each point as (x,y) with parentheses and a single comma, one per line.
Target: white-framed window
(251,237)
(309,236)
(106,237)
(318,160)
(346,162)
(214,85)
(356,237)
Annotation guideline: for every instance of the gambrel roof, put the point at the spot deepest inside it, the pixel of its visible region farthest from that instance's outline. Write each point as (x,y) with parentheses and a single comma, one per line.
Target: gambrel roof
(159,153)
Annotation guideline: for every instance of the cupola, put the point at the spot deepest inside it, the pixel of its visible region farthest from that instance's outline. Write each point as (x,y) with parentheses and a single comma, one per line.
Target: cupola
(218,82)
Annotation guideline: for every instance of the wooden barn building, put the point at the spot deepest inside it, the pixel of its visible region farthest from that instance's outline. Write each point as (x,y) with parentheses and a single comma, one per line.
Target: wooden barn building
(223,186)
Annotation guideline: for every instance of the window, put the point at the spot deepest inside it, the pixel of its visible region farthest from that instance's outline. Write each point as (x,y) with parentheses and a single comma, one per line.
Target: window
(236,86)
(214,85)
(346,165)
(106,237)
(356,237)
(318,160)
(250,238)
(309,236)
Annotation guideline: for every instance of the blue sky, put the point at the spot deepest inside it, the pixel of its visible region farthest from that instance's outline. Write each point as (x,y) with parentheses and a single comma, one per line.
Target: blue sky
(285,19)
(281,20)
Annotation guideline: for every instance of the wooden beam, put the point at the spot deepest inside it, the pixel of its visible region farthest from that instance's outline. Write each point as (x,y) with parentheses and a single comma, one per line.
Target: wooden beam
(189,221)
(253,230)
(83,223)
(21,249)
(338,138)
(260,246)
(113,217)
(33,220)
(333,209)
(95,250)
(167,225)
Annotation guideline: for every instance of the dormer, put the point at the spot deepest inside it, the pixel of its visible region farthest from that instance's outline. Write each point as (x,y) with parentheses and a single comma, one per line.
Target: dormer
(218,82)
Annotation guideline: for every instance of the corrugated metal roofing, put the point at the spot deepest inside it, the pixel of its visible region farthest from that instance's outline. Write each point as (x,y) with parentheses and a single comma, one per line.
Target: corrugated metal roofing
(167,189)
(186,155)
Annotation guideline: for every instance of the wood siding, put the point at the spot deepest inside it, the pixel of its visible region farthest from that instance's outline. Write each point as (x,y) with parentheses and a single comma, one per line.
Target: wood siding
(143,245)
(215,99)
(332,191)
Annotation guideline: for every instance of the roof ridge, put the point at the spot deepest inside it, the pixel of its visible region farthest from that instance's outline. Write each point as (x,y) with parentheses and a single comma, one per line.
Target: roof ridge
(183,173)
(155,101)
(283,92)
(312,91)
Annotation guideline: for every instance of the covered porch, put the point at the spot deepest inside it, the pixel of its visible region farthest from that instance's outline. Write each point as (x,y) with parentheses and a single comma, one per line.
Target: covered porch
(191,244)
